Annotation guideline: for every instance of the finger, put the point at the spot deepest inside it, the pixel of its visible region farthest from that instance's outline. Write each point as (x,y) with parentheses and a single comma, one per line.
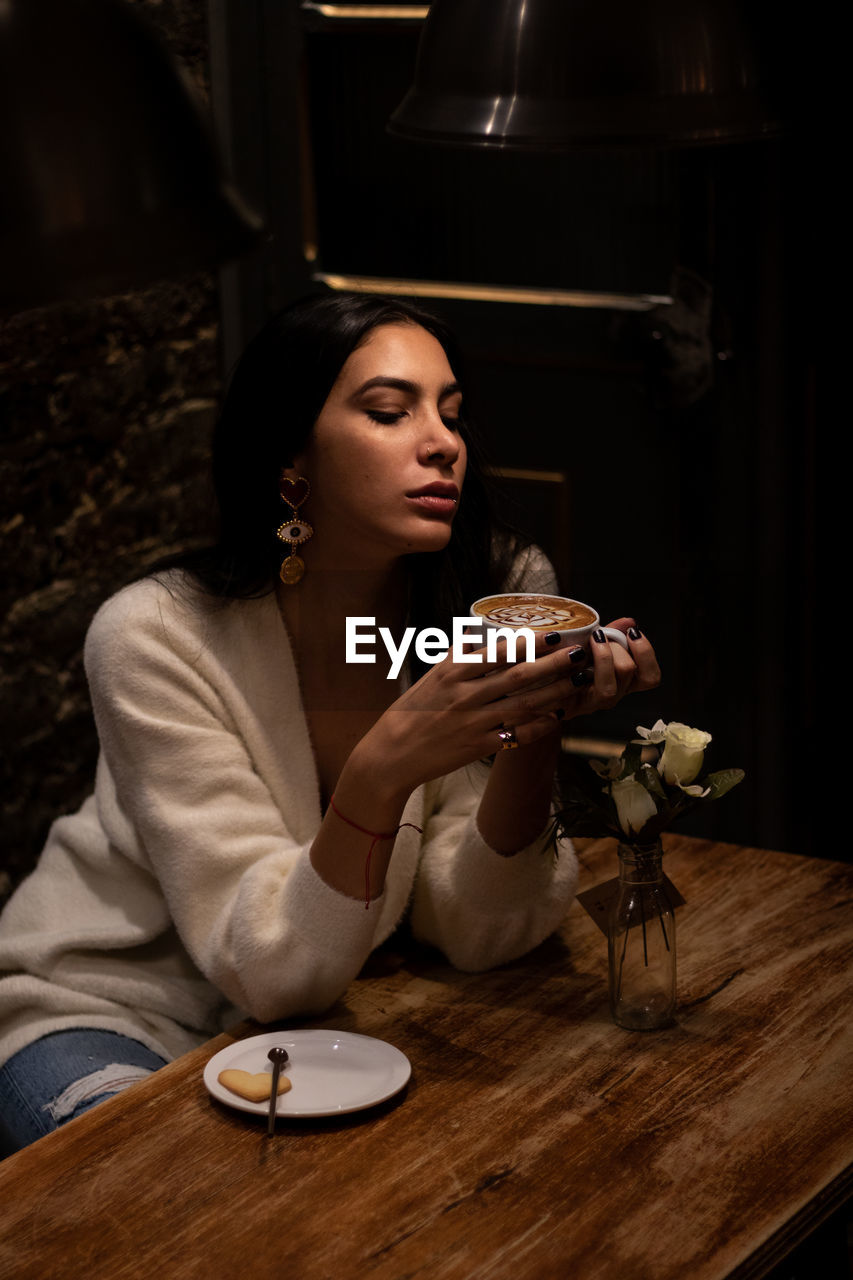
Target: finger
(477,663)
(544,643)
(606,683)
(504,655)
(625,669)
(523,677)
(648,673)
(530,732)
(528,705)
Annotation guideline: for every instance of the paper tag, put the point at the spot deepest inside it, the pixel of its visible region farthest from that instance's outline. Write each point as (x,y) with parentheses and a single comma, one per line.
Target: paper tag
(596,902)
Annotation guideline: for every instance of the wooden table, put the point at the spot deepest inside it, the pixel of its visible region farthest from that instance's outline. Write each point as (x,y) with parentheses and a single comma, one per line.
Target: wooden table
(535,1139)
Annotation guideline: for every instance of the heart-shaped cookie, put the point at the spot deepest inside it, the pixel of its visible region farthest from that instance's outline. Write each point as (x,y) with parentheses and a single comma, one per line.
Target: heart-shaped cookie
(294,492)
(254,1088)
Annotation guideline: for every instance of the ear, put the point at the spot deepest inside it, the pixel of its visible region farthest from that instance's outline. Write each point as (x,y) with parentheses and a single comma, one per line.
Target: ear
(295,466)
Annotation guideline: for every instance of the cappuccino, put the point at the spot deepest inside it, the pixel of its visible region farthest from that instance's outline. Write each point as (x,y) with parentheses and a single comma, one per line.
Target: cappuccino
(538,613)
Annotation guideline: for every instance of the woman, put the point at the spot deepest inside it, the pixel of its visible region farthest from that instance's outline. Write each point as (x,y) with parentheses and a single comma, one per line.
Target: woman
(265,813)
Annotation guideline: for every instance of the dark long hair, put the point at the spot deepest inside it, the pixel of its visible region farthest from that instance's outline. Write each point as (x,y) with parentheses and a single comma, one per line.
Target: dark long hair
(278,388)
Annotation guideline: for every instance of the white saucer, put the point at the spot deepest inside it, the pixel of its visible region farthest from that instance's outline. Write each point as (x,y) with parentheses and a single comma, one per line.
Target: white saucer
(332,1072)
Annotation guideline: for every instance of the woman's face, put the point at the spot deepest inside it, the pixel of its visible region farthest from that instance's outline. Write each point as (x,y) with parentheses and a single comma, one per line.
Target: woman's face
(385,459)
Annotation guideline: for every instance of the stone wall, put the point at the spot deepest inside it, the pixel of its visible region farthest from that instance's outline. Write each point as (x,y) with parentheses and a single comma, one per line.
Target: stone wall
(106,409)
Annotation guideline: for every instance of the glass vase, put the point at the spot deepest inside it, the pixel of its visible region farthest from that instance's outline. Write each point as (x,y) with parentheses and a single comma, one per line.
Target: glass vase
(641,942)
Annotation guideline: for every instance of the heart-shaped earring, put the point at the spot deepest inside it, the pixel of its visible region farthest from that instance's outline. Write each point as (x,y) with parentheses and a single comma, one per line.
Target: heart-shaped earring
(294,532)
(294,492)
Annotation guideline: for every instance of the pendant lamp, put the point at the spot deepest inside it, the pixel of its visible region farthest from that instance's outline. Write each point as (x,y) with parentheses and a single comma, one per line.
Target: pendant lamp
(109,178)
(560,74)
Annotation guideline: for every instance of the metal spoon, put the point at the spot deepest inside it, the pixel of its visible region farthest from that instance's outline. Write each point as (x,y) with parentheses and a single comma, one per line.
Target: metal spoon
(277,1057)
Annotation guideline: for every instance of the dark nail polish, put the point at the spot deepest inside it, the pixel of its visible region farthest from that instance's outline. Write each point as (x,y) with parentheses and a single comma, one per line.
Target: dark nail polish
(634,633)
(578,654)
(559,713)
(553,637)
(599,637)
(580,678)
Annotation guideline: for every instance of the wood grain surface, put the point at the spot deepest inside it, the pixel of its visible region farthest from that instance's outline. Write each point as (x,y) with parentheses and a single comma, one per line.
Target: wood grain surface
(535,1139)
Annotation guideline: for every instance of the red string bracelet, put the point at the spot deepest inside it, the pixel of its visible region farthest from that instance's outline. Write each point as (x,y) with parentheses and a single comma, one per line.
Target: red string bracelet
(377,836)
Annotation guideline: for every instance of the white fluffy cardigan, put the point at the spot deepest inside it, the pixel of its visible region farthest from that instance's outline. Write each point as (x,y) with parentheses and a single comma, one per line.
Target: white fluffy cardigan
(181,896)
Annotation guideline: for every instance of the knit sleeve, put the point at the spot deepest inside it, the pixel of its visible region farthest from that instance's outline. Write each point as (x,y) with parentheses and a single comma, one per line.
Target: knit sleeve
(479,908)
(191,797)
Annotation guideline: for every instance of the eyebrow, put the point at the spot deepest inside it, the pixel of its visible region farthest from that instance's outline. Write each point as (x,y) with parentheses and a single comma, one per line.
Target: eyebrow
(403,384)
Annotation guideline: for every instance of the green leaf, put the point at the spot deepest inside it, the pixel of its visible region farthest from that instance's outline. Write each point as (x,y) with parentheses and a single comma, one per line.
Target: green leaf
(631,759)
(722,781)
(650,779)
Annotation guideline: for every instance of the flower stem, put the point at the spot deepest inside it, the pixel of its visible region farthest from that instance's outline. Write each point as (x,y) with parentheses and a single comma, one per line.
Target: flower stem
(663,927)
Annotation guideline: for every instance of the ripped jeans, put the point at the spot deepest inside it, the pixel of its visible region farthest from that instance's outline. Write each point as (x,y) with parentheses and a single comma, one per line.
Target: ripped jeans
(58,1077)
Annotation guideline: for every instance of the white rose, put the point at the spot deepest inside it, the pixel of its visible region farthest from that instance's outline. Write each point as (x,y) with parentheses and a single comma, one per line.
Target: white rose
(634,805)
(683,753)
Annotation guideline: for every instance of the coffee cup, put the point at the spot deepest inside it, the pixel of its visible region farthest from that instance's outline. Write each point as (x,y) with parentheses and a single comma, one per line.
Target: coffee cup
(573,621)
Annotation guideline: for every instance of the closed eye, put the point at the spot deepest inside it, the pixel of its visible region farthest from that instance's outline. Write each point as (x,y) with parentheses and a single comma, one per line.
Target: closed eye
(385,417)
(388,417)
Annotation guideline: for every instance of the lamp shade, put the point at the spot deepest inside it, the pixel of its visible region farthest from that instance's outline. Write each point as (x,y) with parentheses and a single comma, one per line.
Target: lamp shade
(109,178)
(558,74)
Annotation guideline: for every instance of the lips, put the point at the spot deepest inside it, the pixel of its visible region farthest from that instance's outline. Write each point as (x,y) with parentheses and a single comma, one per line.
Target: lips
(438,489)
(438,499)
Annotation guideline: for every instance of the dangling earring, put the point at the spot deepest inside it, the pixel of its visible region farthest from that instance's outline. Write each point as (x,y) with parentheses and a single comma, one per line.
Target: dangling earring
(295,531)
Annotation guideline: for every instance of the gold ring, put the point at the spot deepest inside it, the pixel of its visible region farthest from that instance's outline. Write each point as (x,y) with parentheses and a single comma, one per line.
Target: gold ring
(508,739)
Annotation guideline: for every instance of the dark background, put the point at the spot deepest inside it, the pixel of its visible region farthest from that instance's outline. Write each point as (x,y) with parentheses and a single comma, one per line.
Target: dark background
(685,434)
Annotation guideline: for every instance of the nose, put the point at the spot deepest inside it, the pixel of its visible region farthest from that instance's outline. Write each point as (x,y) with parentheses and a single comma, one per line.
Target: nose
(438,442)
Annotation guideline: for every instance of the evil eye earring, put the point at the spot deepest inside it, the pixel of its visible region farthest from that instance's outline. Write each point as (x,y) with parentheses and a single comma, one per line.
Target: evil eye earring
(293,532)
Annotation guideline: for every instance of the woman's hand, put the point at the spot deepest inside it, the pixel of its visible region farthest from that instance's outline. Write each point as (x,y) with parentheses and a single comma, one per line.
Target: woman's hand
(612,672)
(452,717)
(453,714)
(517,799)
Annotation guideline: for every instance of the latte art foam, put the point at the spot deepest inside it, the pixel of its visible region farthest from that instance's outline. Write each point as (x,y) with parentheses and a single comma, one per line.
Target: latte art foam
(539,613)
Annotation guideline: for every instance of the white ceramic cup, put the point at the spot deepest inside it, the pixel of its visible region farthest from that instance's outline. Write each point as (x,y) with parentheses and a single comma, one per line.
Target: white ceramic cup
(542,614)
